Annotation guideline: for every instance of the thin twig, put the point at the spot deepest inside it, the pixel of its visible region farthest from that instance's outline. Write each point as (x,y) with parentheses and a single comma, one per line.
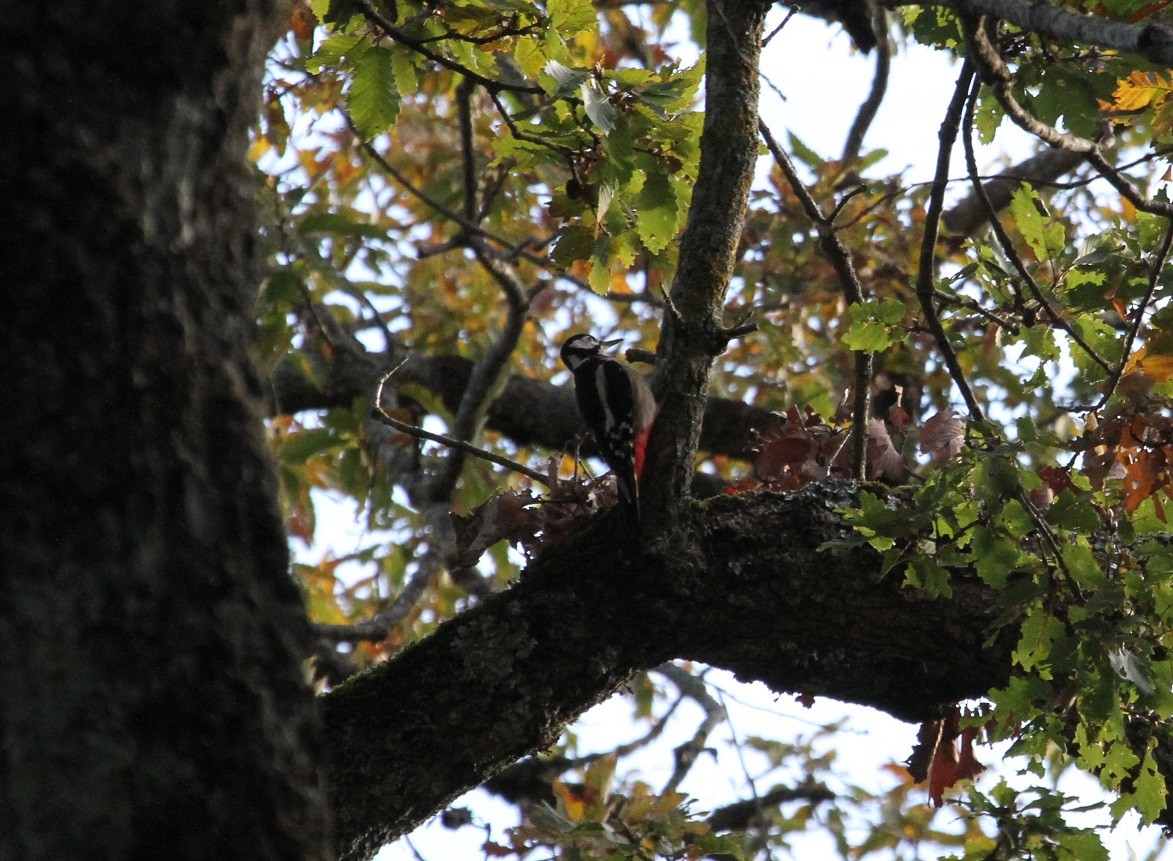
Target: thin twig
(380,626)
(372,15)
(926,274)
(381,415)
(756,799)
(486,371)
(1159,261)
(513,250)
(849,281)
(694,688)
(790,13)
(1119,182)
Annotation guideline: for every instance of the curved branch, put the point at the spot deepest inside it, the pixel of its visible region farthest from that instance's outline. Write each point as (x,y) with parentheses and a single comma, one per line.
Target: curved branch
(871,105)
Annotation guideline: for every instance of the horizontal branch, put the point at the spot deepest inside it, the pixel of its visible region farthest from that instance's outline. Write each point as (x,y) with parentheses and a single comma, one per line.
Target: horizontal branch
(742,586)
(1153,41)
(970,213)
(528,412)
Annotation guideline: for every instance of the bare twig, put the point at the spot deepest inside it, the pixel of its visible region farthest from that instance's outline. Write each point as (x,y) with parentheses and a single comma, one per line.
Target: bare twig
(1127,190)
(926,274)
(849,281)
(965,217)
(790,13)
(694,688)
(380,626)
(1159,261)
(486,373)
(512,250)
(380,415)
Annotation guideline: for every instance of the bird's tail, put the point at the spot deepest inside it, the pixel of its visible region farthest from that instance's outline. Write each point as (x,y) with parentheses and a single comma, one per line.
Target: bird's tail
(628,493)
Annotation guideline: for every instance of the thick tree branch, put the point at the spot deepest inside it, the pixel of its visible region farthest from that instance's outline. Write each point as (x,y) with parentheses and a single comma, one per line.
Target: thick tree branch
(741,586)
(1153,41)
(527,411)
(968,215)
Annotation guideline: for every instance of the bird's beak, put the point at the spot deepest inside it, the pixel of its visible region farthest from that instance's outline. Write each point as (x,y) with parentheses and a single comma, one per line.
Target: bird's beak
(612,343)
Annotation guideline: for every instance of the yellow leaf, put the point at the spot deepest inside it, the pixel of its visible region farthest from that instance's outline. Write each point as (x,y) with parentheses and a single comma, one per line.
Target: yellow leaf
(1141,90)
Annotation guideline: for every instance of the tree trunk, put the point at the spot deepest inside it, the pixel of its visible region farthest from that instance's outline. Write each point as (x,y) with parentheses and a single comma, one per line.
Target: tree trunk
(150,637)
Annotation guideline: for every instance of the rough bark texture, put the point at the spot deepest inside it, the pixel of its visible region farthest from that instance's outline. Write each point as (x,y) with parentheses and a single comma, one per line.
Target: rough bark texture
(693,334)
(742,585)
(153,701)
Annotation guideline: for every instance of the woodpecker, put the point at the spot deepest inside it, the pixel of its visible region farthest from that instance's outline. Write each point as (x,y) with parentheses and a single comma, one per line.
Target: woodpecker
(618,407)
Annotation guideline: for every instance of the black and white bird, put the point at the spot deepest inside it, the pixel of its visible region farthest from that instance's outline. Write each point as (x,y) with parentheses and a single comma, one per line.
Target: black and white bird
(618,407)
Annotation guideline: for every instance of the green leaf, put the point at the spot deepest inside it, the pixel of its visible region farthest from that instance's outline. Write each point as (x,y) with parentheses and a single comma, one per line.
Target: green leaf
(598,107)
(374,97)
(334,51)
(1082,565)
(1045,236)
(300,447)
(1015,519)
(529,56)
(994,556)
(1071,512)
(571,17)
(339,224)
(655,213)
(805,154)
(925,574)
(875,325)
(1082,846)
(404,71)
(1150,794)
(1039,632)
(576,242)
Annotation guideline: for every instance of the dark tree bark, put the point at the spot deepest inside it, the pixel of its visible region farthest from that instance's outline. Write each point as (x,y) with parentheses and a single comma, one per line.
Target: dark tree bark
(150,638)
(742,585)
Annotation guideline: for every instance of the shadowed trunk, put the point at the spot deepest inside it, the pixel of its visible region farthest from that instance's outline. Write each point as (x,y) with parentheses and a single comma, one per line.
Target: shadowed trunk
(150,637)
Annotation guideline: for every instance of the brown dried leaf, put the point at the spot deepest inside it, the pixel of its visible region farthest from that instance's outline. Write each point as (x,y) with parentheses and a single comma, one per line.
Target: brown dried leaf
(942,436)
(884,460)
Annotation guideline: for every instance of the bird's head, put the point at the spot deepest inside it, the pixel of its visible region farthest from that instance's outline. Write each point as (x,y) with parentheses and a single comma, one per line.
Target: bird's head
(578,348)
